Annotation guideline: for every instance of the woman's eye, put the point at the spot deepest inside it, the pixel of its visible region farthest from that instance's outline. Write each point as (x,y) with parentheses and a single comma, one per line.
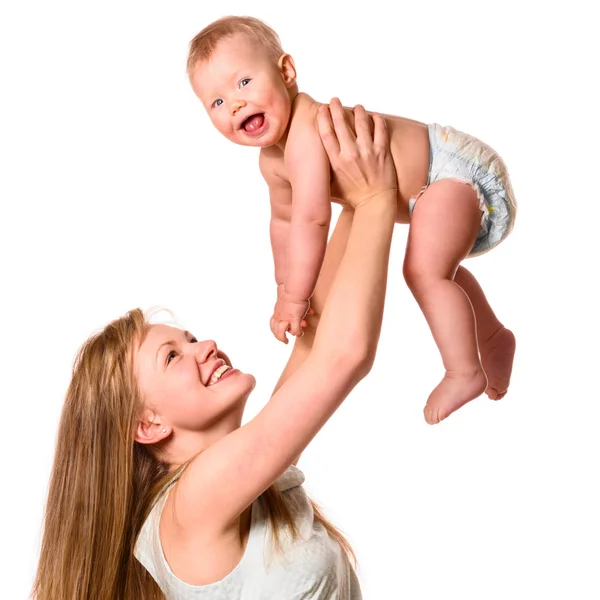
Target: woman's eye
(217,102)
(244,82)
(171,356)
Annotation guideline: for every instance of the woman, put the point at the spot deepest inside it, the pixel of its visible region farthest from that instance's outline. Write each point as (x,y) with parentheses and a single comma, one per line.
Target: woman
(152,465)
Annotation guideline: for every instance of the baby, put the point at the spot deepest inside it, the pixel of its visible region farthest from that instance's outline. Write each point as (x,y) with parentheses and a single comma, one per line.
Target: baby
(453,189)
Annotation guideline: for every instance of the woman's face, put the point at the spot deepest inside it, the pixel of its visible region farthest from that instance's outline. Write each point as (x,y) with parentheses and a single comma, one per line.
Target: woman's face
(187,385)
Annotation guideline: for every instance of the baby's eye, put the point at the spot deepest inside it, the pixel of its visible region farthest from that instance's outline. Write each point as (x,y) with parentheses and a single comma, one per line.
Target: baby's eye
(171,356)
(193,340)
(244,82)
(217,102)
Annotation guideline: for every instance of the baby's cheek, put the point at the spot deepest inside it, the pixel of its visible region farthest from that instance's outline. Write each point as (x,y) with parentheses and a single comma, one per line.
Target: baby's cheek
(221,127)
(217,122)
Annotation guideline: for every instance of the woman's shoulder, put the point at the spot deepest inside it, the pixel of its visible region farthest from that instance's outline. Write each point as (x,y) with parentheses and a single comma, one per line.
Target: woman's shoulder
(149,547)
(291,478)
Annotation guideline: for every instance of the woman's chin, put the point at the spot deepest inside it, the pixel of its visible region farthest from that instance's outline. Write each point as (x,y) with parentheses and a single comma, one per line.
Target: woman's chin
(250,381)
(243,382)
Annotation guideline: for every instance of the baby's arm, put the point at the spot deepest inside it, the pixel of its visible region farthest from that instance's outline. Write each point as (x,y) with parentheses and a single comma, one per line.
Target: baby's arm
(309,173)
(280,195)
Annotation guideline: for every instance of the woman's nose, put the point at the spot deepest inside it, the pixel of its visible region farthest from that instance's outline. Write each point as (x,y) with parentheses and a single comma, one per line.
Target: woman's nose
(205,350)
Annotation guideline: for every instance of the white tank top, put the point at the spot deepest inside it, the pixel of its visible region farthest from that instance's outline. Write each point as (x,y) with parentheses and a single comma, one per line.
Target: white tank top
(310,568)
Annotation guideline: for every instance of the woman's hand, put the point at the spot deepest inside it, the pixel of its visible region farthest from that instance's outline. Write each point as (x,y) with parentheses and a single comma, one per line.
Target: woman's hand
(362,163)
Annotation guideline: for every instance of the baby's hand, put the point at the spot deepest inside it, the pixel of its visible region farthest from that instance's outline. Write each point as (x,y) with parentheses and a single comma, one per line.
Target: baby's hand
(289,316)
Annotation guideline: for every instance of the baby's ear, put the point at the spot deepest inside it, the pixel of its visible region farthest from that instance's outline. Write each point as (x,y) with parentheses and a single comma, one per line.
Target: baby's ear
(288,69)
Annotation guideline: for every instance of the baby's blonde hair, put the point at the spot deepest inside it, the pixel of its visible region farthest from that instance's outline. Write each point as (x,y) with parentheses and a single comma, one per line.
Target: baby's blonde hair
(204,44)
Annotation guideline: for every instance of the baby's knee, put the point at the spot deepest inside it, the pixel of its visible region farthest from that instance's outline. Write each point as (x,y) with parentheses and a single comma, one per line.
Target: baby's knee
(418,275)
(414,274)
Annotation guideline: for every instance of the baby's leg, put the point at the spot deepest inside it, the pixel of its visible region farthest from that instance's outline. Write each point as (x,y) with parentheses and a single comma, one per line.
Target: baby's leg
(496,343)
(444,226)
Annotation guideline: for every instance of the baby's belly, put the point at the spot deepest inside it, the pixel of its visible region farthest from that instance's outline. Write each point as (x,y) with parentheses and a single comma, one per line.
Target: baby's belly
(409,144)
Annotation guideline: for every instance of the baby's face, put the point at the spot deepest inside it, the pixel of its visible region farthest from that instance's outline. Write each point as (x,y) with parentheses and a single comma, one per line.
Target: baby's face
(243,92)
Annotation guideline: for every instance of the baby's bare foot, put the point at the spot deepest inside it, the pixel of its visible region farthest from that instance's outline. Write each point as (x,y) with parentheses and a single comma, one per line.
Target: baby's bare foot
(497,356)
(455,390)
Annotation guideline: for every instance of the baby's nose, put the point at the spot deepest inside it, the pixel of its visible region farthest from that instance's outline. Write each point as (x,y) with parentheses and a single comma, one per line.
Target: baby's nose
(235,106)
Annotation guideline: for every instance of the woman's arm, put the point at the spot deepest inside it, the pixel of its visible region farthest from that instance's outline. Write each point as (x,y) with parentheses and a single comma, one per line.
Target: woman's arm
(229,475)
(333,256)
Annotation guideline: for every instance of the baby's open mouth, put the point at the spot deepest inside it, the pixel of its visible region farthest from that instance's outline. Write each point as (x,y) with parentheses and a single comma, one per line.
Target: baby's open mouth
(253,123)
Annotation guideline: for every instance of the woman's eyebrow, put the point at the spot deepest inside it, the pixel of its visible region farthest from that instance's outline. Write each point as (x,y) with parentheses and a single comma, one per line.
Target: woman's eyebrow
(187,335)
(170,342)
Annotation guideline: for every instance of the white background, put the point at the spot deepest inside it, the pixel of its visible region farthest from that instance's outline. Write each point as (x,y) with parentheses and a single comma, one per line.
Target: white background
(116,193)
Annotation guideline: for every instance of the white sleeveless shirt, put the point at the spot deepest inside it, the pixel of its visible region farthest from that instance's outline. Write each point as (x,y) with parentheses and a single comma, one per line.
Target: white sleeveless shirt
(310,568)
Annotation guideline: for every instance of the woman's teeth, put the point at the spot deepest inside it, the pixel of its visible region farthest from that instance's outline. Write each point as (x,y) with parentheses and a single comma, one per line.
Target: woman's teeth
(218,374)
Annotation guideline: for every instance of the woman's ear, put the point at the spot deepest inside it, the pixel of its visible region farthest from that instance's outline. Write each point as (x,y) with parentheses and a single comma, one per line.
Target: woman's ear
(287,68)
(149,429)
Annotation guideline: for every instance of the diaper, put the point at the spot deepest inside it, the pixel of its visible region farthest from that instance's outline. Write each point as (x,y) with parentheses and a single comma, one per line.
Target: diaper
(456,155)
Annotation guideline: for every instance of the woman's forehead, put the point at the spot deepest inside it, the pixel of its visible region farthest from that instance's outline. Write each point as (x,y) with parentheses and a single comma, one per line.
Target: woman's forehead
(158,333)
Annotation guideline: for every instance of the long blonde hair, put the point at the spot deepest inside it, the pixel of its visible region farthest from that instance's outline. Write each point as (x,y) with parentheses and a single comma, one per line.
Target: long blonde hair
(103,483)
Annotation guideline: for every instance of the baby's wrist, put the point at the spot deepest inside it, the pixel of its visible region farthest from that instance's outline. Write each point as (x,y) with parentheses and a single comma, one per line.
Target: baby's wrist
(296,298)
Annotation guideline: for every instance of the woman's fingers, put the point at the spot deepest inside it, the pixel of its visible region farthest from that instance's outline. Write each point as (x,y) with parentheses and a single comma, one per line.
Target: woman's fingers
(363,126)
(362,165)
(344,133)
(328,137)
(380,134)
